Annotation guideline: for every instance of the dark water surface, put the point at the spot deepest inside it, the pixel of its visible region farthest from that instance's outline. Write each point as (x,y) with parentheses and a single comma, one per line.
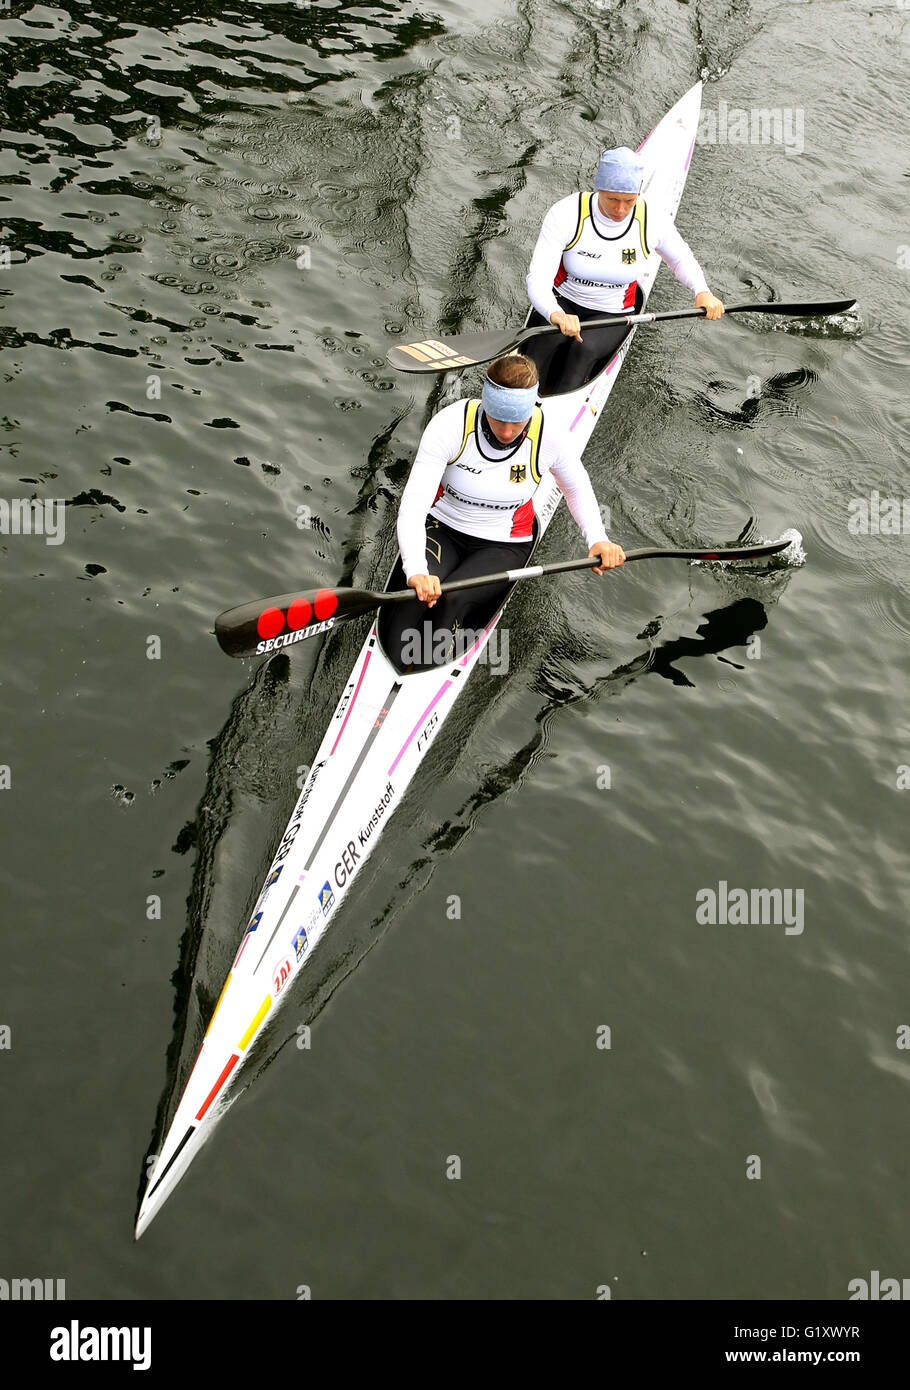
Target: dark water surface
(217,226)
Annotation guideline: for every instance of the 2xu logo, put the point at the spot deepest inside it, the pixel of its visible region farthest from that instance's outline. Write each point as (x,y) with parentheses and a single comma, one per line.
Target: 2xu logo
(281,973)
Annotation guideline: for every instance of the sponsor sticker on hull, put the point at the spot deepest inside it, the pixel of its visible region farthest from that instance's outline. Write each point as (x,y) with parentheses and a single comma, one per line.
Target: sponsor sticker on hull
(310,784)
(383,805)
(281,973)
(290,835)
(427,731)
(344,701)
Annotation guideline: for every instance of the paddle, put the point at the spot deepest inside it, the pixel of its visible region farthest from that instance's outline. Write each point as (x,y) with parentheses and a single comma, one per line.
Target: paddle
(468,349)
(270,624)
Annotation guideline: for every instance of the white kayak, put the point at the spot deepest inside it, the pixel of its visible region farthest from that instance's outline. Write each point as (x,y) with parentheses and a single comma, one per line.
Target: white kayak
(380,732)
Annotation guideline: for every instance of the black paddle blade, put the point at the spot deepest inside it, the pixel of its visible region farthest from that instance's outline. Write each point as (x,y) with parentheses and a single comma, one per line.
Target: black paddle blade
(739,552)
(270,624)
(806,310)
(452,354)
(744,552)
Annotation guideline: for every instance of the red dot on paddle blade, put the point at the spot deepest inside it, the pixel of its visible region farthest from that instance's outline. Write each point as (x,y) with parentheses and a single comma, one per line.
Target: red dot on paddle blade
(270,622)
(299,613)
(325,603)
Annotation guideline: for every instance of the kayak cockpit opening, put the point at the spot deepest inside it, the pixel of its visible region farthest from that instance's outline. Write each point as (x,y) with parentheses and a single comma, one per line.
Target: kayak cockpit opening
(414,641)
(565,365)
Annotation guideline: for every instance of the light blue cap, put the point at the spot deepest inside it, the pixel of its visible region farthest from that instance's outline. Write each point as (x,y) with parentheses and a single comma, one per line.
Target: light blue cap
(619,171)
(509,403)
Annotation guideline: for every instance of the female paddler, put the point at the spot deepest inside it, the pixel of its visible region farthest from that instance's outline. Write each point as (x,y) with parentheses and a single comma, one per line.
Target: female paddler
(585,264)
(468,509)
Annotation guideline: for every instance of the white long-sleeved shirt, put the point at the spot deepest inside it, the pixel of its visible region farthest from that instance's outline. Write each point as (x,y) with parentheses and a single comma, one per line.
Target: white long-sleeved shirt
(558,230)
(476,494)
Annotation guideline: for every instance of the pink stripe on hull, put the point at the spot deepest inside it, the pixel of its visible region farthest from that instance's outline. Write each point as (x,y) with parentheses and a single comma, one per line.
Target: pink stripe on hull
(689,155)
(578,417)
(351,705)
(441,691)
(467,657)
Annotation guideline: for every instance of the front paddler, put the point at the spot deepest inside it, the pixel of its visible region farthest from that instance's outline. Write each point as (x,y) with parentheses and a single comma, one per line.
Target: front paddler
(468,506)
(586,262)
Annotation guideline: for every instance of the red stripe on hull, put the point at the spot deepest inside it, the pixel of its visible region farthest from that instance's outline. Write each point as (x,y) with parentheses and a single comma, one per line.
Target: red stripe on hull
(218,1085)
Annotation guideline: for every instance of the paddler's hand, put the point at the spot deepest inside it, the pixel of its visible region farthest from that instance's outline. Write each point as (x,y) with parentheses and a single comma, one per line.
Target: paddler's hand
(426,587)
(610,555)
(708,301)
(570,324)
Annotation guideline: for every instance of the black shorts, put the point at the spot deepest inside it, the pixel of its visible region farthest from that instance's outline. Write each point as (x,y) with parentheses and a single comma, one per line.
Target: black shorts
(564,364)
(417,637)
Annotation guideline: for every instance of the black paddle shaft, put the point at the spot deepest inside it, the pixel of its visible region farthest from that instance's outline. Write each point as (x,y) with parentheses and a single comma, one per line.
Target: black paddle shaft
(445,354)
(268,625)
